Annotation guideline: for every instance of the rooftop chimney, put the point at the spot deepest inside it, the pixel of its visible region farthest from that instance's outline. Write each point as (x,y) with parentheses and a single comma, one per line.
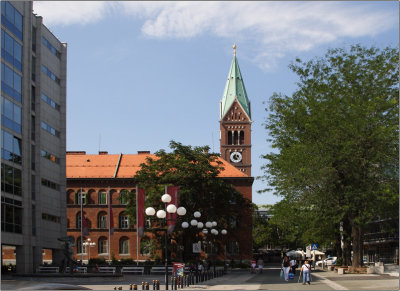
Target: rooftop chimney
(76,153)
(143,152)
(103,153)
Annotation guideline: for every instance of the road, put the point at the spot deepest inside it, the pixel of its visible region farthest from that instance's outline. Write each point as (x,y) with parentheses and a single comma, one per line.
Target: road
(235,280)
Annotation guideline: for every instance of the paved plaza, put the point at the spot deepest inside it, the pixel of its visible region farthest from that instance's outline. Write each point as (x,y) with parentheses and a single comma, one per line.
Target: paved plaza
(235,280)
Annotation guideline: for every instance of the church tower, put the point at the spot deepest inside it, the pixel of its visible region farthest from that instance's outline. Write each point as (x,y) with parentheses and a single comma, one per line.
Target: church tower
(235,121)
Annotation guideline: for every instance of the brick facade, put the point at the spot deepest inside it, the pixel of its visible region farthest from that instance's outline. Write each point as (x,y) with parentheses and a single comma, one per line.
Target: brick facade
(91,208)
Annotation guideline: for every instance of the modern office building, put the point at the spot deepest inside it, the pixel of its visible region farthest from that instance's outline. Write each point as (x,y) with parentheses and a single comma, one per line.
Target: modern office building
(33,142)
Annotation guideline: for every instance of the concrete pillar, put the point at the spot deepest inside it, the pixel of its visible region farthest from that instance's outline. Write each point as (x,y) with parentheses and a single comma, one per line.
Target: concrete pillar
(58,256)
(24,260)
(37,257)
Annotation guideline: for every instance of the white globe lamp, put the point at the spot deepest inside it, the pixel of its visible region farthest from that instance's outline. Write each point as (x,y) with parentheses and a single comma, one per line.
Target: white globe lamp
(161,214)
(181,211)
(171,208)
(150,211)
(166,198)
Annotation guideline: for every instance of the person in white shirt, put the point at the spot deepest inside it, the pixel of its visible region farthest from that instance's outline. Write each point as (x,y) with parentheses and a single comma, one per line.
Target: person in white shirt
(306,272)
(293,265)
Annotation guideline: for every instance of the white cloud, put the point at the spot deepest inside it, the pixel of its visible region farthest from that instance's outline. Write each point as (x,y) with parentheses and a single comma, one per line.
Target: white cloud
(272,28)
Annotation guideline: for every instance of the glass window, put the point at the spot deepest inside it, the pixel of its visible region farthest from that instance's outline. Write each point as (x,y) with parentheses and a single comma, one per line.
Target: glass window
(18,20)
(9,44)
(17,114)
(8,109)
(9,76)
(8,141)
(124,246)
(17,146)
(17,82)
(78,198)
(17,51)
(102,246)
(123,221)
(10,11)
(102,220)
(103,198)
(124,197)
(3,8)
(78,220)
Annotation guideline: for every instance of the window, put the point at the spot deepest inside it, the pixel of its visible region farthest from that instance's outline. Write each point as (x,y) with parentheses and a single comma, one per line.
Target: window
(78,198)
(229,137)
(102,245)
(11,50)
(78,220)
(124,246)
(241,137)
(11,82)
(235,137)
(79,246)
(50,184)
(49,156)
(123,220)
(50,217)
(50,74)
(50,101)
(10,147)
(103,198)
(51,47)
(11,180)
(50,129)
(233,247)
(124,196)
(11,215)
(11,18)
(102,220)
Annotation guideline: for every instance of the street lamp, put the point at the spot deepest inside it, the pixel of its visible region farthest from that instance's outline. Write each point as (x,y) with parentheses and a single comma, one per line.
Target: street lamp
(88,243)
(162,214)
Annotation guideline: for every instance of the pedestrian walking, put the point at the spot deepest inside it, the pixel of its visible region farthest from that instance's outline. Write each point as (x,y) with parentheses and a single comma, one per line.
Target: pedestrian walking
(260,263)
(286,267)
(293,266)
(305,269)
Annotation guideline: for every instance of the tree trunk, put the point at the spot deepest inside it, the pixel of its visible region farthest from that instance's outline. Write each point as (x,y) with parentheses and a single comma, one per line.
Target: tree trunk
(357,245)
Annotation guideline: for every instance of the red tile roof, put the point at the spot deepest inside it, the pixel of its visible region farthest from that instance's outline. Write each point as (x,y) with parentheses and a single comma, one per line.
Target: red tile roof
(81,165)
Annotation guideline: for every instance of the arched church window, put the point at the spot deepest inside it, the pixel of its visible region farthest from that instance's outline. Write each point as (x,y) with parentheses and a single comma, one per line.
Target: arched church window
(235,137)
(230,137)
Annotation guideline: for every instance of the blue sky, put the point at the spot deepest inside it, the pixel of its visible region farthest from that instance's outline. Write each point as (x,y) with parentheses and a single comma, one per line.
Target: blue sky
(143,73)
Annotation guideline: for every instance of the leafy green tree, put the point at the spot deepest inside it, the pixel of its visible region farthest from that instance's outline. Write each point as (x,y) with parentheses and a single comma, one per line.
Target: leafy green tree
(337,141)
(195,170)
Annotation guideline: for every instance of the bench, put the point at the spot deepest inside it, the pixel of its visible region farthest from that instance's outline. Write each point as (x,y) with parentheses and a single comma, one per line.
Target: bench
(160,270)
(107,270)
(42,269)
(132,270)
(79,270)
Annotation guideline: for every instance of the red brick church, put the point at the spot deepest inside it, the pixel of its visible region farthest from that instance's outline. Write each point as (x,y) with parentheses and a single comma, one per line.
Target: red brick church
(108,174)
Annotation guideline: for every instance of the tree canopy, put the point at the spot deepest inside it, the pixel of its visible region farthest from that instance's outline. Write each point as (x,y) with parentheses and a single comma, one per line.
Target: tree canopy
(195,170)
(336,138)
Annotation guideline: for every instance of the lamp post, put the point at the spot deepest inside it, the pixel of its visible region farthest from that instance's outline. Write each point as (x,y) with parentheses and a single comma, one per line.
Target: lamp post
(205,231)
(162,214)
(88,243)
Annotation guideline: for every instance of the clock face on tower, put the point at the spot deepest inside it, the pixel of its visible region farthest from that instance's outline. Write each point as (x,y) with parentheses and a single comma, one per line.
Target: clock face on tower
(236,157)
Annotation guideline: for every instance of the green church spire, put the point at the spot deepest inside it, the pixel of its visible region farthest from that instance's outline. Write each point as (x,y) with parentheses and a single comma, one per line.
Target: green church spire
(234,89)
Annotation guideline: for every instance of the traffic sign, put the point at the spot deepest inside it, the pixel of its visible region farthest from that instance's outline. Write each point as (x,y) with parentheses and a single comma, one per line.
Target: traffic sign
(314,247)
